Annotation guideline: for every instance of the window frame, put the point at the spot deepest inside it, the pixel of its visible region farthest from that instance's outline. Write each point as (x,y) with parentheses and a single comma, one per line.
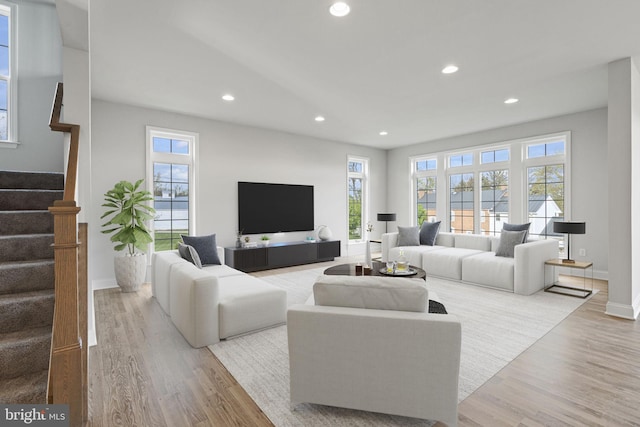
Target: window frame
(173,158)
(418,174)
(11,10)
(364,202)
(516,166)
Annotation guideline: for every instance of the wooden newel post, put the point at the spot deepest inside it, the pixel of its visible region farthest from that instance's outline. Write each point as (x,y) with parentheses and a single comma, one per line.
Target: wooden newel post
(65,382)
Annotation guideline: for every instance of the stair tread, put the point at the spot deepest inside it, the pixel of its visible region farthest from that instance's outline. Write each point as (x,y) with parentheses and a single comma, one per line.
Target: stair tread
(26,236)
(30,388)
(25,263)
(25,295)
(25,334)
(25,211)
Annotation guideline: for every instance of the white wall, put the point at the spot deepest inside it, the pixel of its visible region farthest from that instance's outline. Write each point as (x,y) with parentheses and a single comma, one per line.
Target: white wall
(39,69)
(588,169)
(228,153)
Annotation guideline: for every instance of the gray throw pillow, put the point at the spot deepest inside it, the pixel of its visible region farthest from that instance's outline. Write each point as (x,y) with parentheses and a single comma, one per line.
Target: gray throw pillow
(205,246)
(408,236)
(190,254)
(518,227)
(508,242)
(429,233)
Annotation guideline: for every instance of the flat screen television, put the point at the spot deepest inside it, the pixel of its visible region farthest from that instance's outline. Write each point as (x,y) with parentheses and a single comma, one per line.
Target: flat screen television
(274,208)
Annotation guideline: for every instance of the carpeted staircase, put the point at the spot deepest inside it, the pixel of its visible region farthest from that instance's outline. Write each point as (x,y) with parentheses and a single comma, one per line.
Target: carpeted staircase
(26,283)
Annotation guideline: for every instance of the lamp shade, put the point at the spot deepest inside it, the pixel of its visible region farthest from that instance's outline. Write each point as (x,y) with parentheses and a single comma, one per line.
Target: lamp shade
(386,217)
(569,227)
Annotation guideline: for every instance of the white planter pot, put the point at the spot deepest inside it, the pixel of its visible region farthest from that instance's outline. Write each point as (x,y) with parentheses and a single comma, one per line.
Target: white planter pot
(130,271)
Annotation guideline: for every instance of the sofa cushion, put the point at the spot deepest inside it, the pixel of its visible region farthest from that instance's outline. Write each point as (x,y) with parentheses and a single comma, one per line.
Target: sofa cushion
(446,239)
(163,261)
(222,270)
(429,232)
(446,262)
(190,254)
(371,292)
(518,227)
(248,304)
(413,254)
(508,242)
(408,236)
(489,270)
(205,246)
(473,241)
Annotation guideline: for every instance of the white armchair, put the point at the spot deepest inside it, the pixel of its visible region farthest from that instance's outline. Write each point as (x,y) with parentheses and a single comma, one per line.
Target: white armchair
(395,362)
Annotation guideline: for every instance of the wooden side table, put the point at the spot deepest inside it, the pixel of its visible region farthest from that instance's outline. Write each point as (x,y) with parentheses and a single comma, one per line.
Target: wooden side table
(569,290)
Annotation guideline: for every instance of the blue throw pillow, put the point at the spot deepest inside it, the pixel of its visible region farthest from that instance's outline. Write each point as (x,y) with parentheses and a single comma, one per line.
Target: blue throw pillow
(518,227)
(205,246)
(429,232)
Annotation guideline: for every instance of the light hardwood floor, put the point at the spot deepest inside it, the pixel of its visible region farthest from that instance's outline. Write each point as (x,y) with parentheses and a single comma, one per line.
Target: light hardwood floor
(586,371)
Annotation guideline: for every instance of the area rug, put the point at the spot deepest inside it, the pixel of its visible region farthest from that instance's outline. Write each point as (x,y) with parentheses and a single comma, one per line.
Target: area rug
(496,327)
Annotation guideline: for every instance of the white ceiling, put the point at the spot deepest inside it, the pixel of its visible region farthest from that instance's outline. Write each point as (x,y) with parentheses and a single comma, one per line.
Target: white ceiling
(378,68)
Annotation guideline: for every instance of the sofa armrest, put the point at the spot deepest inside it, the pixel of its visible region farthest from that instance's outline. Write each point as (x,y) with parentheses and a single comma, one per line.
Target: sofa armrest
(194,296)
(385,361)
(389,240)
(529,268)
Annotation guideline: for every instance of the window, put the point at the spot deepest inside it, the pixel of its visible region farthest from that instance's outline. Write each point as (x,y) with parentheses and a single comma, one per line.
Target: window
(461,205)
(171,168)
(461,160)
(7,74)
(484,187)
(494,200)
(546,198)
(357,171)
(494,156)
(425,180)
(546,185)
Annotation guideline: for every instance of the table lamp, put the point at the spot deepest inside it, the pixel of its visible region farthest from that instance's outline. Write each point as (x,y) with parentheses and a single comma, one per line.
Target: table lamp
(386,217)
(569,228)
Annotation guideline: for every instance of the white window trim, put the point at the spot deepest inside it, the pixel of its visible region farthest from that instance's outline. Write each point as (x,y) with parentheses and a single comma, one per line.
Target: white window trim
(415,174)
(365,196)
(192,138)
(12,86)
(516,165)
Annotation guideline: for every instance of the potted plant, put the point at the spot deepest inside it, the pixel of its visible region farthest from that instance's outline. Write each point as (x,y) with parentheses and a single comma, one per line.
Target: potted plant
(265,240)
(127,210)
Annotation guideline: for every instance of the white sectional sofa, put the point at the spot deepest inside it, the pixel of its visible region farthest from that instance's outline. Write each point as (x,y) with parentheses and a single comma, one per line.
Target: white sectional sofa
(215,302)
(471,258)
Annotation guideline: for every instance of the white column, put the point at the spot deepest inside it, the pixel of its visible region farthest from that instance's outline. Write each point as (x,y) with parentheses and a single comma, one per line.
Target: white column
(624,189)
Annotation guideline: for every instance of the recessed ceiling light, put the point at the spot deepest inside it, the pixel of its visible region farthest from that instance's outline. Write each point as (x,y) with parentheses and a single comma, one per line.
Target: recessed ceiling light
(228,97)
(383,133)
(319,119)
(511,100)
(339,9)
(449,69)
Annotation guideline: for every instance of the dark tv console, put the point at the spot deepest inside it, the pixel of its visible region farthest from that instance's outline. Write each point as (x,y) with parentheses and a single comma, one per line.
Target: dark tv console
(278,255)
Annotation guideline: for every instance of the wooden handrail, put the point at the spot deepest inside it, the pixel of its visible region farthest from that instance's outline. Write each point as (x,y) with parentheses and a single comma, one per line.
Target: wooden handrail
(68,382)
(74,131)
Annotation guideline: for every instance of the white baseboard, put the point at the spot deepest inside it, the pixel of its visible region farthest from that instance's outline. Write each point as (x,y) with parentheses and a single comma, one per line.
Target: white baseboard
(96,285)
(92,337)
(624,311)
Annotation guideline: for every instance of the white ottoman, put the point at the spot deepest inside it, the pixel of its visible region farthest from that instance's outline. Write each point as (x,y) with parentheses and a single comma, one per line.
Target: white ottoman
(248,304)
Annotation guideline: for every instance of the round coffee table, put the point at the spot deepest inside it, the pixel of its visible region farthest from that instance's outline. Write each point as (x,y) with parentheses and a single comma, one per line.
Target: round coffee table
(350,270)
